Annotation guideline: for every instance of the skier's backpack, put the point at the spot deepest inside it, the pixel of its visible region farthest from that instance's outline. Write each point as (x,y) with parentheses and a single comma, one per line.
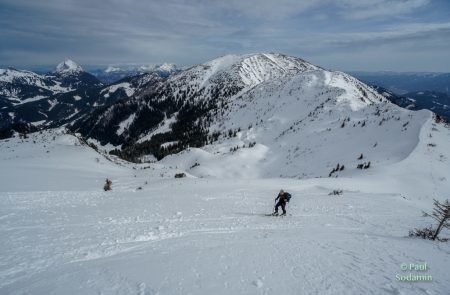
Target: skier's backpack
(287,196)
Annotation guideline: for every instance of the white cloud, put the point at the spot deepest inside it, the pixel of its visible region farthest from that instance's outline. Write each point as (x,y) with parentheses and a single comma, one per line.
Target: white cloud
(396,34)
(362,9)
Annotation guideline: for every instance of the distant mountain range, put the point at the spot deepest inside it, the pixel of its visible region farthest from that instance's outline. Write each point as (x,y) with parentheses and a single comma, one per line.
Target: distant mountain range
(415,91)
(115,73)
(29,100)
(436,102)
(402,83)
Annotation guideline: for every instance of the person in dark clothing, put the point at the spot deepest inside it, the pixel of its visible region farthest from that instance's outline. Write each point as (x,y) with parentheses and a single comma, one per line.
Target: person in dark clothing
(282,198)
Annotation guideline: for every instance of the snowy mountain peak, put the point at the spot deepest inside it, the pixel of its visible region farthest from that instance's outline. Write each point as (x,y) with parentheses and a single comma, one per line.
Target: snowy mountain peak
(249,69)
(261,60)
(68,66)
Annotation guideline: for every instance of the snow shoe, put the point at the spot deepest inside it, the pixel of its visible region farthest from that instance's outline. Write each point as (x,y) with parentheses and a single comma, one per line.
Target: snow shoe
(283,214)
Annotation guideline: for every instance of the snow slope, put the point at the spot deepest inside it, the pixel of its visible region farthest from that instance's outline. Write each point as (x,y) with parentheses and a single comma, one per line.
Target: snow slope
(303,126)
(61,234)
(113,88)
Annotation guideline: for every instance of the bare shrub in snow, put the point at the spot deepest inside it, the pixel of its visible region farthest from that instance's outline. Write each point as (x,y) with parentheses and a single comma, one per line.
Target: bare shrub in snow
(195,165)
(363,165)
(425,233)
(338,168)
(107,186)
(336,192)
(441,213)
(180,175)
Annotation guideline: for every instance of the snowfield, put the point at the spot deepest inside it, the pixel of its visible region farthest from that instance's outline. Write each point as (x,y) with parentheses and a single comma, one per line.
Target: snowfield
(113,88)
(153,234)
(303,126)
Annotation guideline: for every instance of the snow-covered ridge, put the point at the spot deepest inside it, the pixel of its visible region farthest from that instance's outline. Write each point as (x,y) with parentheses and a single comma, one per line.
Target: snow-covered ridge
(355,93)
(245,70)
(231,75)
(10,74)
(11,81)
(116,72)
(29,78)
(259,68)
(165,67)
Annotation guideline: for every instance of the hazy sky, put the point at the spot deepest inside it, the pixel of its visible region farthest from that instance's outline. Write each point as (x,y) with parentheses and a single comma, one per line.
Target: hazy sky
(398,35)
